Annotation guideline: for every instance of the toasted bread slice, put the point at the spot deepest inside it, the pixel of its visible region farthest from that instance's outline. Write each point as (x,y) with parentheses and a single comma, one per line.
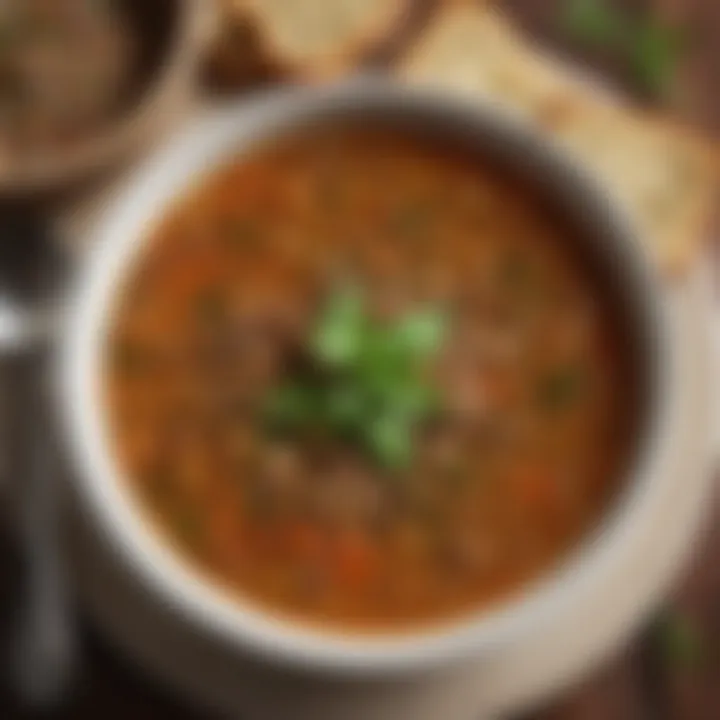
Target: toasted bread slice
(306,39)
(475,51)
(665,176)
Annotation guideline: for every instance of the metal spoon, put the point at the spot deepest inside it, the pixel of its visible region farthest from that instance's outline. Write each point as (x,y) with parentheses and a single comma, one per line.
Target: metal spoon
(42,649)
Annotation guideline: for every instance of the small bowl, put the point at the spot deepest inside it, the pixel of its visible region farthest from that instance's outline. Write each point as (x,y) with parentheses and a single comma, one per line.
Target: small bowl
(170,36)
(607,237)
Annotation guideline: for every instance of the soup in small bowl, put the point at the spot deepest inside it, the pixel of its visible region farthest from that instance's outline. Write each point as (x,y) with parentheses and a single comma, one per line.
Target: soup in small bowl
(84,83)
(368,374)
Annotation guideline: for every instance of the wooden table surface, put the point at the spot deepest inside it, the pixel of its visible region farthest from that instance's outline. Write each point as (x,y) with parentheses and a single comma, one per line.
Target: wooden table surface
(671,669)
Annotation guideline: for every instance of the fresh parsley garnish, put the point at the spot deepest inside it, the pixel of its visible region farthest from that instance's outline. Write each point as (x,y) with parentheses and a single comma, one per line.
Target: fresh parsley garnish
(368,382)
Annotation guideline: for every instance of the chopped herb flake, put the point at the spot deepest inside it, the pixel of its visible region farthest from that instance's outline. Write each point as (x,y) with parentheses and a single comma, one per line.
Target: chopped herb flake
(680,641)
(560,387)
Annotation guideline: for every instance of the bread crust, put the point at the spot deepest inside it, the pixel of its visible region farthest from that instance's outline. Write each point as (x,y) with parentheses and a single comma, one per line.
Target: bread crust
(259,55)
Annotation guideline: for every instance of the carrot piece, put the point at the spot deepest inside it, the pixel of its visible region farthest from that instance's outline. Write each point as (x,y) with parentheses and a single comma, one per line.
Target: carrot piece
(357,560)
(534,487)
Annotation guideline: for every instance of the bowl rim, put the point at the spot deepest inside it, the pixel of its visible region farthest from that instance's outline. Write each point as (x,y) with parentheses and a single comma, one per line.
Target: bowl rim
(67,165)
(120,233)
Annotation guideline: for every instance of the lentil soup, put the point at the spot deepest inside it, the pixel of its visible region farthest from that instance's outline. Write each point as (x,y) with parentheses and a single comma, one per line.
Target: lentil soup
(366,381)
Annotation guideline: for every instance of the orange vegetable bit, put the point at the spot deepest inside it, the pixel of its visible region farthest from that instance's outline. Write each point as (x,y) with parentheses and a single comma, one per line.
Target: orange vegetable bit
(226,540)
(357,559)
(535,487)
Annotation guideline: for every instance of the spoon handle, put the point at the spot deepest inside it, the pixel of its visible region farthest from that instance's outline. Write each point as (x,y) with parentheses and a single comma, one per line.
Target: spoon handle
(42,651)
(41,648)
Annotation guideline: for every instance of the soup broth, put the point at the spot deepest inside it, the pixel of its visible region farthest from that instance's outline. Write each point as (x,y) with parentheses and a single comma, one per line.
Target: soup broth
(364,380)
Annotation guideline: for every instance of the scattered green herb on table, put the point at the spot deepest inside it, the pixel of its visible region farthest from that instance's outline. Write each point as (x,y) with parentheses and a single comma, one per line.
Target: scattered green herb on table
(655,54)
(650,47)
(369,381)
(680,641)
(594,23)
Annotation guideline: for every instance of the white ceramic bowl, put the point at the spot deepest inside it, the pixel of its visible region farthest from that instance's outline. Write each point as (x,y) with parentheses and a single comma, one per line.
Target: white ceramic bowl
(125,225)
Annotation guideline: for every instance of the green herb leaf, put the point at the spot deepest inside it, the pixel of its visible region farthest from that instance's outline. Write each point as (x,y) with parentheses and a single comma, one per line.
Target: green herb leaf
(594,23)
(390,439)
(680,640)
(291,406)
(560,387)
(339,334)
(422,333)
(415,399)
(345,406)
(367,384)
(655,55)
(650,47)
